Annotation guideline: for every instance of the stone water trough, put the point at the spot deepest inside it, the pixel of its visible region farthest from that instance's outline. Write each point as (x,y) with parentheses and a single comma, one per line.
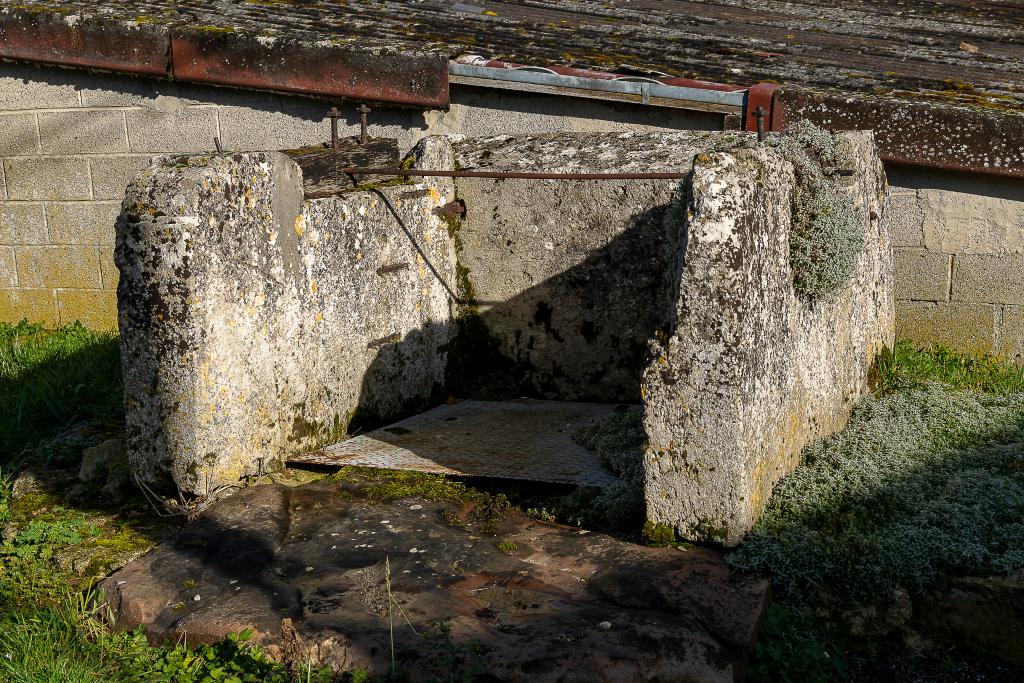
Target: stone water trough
(258,326)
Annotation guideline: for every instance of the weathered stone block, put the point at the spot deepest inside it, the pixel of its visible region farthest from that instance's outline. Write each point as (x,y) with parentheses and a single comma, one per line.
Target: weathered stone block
(96,309)
(965,327)
(8,268)
(108,269)
(184,130)
(18,134)
(47,178)
(76,132)
(921,275)
(906,218)
(254,325)
(82,222)
(70,267)
(750,372)
(22,87)
(37,305)
(972,223)
(988,278)
(565,280)
(22,223)
(1011,333)
(245,128)
(111,175)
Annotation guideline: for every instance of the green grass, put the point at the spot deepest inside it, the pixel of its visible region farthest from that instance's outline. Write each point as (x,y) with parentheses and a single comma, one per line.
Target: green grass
(926,481)
(50,380)
(908,366)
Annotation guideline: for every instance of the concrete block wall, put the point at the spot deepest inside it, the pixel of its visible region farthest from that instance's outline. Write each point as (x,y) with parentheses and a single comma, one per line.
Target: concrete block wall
(959,259)
(71,140)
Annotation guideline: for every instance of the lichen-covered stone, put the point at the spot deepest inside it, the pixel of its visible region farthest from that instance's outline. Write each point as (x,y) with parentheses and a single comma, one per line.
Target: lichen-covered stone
(567,277)
(254,324)
(751,371)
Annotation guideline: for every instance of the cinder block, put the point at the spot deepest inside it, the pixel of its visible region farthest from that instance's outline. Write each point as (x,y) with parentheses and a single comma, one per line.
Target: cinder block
(18,134)
(921,275)
(82,222)
(8,268)
(34,305)
(108,271)
(965,327)
(23,86)
(989,278)
(95,309)
(1011,333)
(187,130)
(51,178)
(905,218)
(71,267)
(111,175)
(248,129)
(972,223)
(22,223)
(76,132)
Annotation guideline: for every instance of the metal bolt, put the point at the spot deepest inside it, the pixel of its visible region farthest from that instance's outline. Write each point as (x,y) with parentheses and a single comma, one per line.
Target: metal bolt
(334,115)
(363,110)
(759,114)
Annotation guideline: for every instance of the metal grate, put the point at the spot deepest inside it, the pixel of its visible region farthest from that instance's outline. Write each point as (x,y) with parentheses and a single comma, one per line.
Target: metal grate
(521,439)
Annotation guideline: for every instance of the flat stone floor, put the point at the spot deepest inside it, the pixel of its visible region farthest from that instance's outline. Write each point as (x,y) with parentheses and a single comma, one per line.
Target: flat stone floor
(520,439)
(475,591)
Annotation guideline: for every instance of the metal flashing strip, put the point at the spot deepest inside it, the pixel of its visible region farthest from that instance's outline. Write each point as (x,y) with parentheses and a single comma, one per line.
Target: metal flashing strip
(645,90)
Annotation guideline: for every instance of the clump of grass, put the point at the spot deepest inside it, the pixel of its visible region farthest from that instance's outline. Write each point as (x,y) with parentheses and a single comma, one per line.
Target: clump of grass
(50,379)
(908,366)
(921,483)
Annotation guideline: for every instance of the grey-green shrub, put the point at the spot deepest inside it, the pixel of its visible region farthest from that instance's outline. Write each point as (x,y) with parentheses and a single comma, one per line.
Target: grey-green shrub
(921,483)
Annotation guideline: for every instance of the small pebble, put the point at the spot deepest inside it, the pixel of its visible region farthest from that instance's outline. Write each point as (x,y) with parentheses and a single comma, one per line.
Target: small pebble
(605,625)
(309,569)
(197,598)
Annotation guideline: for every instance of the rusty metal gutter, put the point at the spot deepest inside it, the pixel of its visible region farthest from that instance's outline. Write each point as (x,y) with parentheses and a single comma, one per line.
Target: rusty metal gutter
(223,57)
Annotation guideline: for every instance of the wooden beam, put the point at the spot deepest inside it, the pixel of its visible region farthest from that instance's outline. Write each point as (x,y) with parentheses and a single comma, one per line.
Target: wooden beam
(320,164)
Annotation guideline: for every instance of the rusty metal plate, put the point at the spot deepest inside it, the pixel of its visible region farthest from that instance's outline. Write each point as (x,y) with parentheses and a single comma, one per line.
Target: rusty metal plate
(83,41)
(312,68)
(522,439)
(914,131)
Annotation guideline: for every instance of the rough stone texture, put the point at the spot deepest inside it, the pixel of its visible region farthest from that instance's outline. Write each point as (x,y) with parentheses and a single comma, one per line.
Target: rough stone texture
(305,568)
(921,275)
(72,266)
(81,222)
(94,308)
(1011,336)
(77,132)
(255,325)
(749,372)
(967,327)
(988,278)
(568,277)
(47,178)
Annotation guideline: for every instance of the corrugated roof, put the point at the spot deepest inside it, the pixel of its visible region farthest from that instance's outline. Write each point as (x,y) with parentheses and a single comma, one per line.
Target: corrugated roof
(950,50)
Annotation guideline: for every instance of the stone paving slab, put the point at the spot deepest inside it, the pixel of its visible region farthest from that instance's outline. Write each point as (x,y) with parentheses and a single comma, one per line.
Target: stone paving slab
(520,439)
(481,591)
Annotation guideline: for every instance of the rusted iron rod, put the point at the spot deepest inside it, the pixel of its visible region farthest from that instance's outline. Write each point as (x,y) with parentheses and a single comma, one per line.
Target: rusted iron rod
(669,175)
